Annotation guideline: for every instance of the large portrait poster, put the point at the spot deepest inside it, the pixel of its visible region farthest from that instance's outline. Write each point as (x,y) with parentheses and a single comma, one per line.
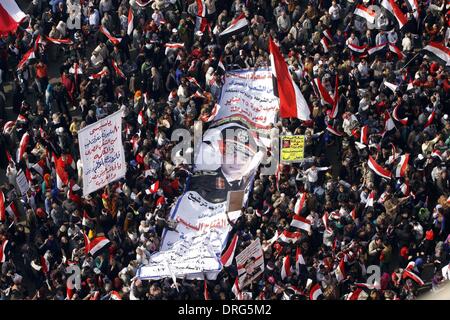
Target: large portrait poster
(102,153)
(250,263)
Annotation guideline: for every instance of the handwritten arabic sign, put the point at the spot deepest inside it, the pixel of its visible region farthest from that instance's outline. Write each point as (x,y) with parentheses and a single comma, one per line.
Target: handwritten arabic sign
(192,256)
(248,95)
(22,182)
(102,152)
(292,148)
(250,263)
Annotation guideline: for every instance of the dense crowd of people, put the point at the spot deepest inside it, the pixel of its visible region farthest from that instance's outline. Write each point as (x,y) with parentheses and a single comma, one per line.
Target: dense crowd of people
(400,225)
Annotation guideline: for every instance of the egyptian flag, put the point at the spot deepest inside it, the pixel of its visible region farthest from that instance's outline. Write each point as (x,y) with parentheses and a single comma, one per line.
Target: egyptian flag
(26,57)
(300,204)
(24,141)
(325,44)
(388,122)
(201,22)
(2,207)
(340,271)
(205,290)
(45,265)
(364,139)
(436,153)
(440,51)
(354,214)
(334,131)
(236,289)
(153,188)
(327,34)
(316,292)
(117,69)
(286,270)
(228,255)
(365,13)
(400,171)
(13,212)
(11,16)
(396,117)
(299,259)
(413,6)
(397,51)
(379,170)
(335,110)
(292,102)
(98,75)
(212,115)
(323,92)
(59,41)
(301,223)
(95,245)
(430,119)
(3,250)
(111,38)
(391,86)
(173,46)
(358,49)
(395,11)
(237,26)
(377,48)
(370,199)
(130,25)
(404,188)
(411,275)
(140,118)
(8,126)
(290,237)
(358,294)
(86,221)
(62,176)
(325,223)
(40,167)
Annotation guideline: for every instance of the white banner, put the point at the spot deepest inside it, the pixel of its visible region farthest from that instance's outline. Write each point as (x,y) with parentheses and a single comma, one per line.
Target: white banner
(102,152)
(248,95)
(22,182)
(192,257)
(250,263)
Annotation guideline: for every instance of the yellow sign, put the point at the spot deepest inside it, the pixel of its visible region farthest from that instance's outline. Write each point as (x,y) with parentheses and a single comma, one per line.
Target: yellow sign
(292,148)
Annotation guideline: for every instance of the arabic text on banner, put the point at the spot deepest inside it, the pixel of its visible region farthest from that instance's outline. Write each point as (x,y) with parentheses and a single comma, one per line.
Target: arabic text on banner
(292,148)
(102,152)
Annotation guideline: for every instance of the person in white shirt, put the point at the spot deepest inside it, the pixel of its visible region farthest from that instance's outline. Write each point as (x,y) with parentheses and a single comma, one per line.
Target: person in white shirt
(335,13)
(311,176)
(94,18)
(406,43)
(353,40)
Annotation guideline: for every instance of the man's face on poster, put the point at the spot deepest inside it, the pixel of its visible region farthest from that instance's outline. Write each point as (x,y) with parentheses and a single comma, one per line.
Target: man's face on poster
(237,154)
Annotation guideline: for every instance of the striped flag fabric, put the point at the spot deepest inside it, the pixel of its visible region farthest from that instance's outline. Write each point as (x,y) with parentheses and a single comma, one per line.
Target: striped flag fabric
(153,188)
(335,110)
(397,51)
(395,11)
(115,295)
(327,34)
(365,13)
(286,270)
(377,48)
(300,203)
(413,7)
(391,86)
(111,38)
(292,102)
(301,223)
(411,275)
(11,16)
(325,44)
(364,139)
(370,199)
(334,131)
(130,23)
(299,260)
(24,141)
(173,46)
(388,122)
(325,223)
(430,119)
(315,292)
(400,170)
(62,177)
(3,251)
(289,237)
(26,57)
(379,170)
(359,49)
(39,167)
(95,245)
(238,25)
(396,117)
(117,69)
(326,97)
(13,212)
(340,271)
(440,51)
(59,41)
(2,207)
(358,294)
(8,126)
(98,75)
(228,256)
(237,290)
(205,290)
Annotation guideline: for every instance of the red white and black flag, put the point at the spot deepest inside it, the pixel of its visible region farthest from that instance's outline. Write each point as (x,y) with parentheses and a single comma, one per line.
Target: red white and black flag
(379,170)
(440,51)
(130,23)
(228,255)
(238,25)
(111,38)
(395,11)
(413,6)
(365,13)
(292,102)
